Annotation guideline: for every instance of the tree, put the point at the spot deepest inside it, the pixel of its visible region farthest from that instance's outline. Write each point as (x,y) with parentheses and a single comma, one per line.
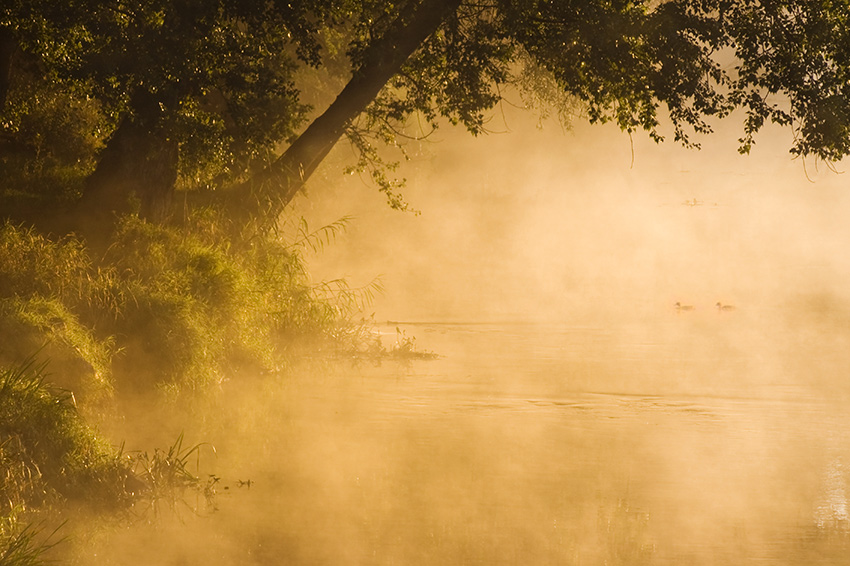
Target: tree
(193,89)
(203,93)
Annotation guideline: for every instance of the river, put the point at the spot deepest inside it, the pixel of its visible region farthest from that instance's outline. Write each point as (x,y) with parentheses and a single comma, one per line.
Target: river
(692,438)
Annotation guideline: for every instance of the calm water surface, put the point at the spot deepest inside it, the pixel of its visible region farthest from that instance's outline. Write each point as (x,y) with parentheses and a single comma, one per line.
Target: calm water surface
(684,440)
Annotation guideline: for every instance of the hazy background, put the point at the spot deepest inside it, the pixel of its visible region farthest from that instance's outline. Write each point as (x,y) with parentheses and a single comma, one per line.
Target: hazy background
(555,225)
(623,433)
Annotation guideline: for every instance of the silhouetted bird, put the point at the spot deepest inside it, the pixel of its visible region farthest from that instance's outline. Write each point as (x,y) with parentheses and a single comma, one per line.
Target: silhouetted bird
(721,307)
(680,307)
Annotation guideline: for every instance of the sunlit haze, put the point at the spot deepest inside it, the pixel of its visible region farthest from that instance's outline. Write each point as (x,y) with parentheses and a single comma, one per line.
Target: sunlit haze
(557,225)
(222,343)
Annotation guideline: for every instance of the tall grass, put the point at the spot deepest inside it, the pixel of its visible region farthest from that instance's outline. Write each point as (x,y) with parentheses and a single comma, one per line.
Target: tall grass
(200,312)
(324,312)
(48,452)
(51,297)
(50,457)
(175,310)
(80,360)
(24,546)
(47,456)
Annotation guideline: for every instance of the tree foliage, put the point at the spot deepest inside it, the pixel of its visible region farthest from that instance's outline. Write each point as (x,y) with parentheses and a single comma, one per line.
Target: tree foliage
(217,80)
(220,74)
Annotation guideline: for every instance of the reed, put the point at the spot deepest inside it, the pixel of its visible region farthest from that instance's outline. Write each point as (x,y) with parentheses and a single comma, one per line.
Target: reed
(27,545)
(405,348)
(49,453)
(166,473)
(175,310)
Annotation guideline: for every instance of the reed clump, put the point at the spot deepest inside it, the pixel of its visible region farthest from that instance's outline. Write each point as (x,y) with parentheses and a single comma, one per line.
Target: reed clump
(24,545)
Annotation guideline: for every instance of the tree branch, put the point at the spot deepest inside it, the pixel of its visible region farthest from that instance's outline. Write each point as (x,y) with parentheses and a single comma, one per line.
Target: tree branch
(263,197)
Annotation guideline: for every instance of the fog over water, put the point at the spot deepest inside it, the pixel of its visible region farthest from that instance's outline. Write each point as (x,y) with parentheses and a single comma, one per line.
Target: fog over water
(574,416)
(553,225)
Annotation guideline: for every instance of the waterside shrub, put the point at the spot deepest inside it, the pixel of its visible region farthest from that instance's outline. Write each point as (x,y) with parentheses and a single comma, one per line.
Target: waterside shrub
(166,308)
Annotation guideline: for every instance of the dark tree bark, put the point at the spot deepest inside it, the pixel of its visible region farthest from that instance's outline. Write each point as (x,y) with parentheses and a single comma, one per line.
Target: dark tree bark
(139,163)
(263,198)
(138,168)
(8,45)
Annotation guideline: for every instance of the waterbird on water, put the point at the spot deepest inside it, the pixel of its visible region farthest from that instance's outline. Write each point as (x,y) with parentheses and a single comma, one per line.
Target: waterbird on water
(680,307)
(721,307)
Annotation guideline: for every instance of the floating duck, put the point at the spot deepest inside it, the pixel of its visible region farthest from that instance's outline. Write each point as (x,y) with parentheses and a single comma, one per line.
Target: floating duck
(721,307)
(680,307)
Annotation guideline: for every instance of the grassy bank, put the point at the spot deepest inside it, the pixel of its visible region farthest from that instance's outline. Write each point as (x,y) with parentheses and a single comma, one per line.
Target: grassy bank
(48,457)
(52,460)
(164,313)
(162,308)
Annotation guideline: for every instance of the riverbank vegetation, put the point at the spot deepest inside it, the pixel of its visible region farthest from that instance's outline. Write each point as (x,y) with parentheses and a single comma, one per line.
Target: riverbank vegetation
(160,308)
(161,313)
(52,459)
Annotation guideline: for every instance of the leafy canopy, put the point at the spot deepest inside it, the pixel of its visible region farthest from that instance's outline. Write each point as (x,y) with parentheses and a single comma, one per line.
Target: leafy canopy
(632,63)
(224,74)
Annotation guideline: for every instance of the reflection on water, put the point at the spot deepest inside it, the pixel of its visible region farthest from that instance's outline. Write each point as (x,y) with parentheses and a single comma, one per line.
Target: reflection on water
(831,512)
(676,442)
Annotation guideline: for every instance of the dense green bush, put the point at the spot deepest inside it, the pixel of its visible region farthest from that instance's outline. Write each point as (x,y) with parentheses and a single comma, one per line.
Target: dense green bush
(49,139)
(167,308)
(200,312)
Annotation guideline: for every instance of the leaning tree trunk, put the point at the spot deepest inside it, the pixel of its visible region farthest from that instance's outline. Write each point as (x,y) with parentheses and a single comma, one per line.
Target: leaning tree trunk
(137,171)
(264,197)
